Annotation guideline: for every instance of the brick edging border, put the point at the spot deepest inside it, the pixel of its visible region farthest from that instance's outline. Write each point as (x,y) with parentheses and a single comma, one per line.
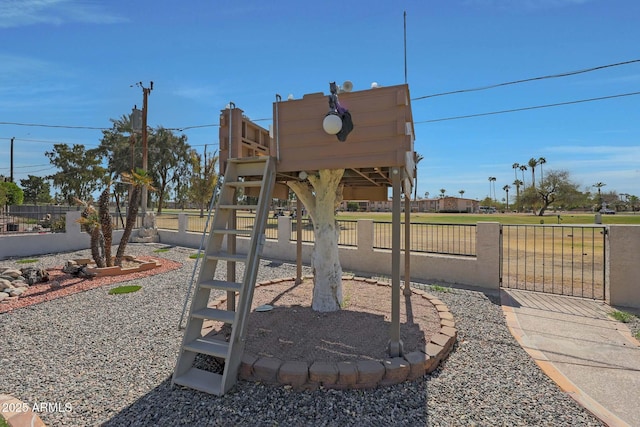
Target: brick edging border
(362,374)
(18,413)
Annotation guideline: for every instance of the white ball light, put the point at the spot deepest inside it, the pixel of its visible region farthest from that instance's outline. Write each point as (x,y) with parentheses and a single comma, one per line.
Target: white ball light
(332,124)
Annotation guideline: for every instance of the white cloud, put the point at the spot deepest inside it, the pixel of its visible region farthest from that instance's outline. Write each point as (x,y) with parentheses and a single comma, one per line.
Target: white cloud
(525,4)
(18,13)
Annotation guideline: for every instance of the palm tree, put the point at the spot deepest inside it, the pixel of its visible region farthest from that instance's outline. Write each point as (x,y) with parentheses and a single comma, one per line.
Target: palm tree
(105,224)
(138,179)
(515,168)
(541,161)
(506,188)
(442,191)
(426,194)
(599,185)
(461,193)
(492,180)
(532,164)
(517,183)
(90,219)
(522,169)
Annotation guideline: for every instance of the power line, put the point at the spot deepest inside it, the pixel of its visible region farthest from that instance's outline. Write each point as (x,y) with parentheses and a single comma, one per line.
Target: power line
(52,126)
(552,76)
(529,108)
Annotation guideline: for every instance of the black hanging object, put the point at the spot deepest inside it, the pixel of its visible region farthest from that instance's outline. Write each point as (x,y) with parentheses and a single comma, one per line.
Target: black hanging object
(343,113)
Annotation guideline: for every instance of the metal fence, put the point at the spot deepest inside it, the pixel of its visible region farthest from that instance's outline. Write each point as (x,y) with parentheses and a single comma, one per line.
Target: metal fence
(348,231)
(558,259)
(33,219)
(449,239)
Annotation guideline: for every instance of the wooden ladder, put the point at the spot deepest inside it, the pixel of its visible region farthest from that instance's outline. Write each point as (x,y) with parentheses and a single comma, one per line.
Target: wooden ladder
(254,172)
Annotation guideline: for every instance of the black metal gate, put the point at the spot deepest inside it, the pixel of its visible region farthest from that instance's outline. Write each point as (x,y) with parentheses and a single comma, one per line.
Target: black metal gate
(558,259)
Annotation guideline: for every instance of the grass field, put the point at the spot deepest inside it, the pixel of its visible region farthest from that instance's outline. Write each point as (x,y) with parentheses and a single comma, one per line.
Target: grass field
(566,218)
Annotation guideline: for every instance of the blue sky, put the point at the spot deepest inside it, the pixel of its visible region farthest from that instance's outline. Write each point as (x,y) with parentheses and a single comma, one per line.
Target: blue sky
(72,63)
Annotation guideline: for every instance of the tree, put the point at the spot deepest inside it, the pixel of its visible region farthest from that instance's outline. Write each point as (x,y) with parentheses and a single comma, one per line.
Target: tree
(517,183)
(80,171)
(426,194)
(461,193)
(90,219)
(168,159)
(137,179)
(515,167)
(442,191)
(557,188)
(506,189)
(36,189)
(11,193)
(492,180)
(633,201)
(541,161)
(321,194)
(599,186)
(532,165)
(203,179)
(522,169)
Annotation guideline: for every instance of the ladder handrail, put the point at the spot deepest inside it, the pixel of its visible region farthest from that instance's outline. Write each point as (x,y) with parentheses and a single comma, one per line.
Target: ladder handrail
(214,197)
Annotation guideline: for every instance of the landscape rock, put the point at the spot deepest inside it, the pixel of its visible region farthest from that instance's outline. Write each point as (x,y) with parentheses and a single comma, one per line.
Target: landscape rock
(4,284)
(13,273)
(14,282)
(34,275)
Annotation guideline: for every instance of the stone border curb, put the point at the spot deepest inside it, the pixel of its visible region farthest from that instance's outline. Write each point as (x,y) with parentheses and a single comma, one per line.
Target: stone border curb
(18,413)
(363,374)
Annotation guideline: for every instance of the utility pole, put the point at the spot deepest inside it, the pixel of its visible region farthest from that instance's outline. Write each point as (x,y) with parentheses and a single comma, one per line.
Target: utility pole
(11,170)
(145,94)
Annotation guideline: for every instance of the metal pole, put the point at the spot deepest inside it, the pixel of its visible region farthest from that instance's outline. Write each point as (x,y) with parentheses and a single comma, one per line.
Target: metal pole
(407,246)
(395,344)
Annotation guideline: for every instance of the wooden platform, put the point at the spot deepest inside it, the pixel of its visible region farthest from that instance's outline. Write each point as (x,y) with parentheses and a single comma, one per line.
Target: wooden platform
(382,138)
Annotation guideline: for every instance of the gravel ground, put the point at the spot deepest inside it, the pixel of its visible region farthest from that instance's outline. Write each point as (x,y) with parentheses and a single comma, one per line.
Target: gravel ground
(109,359)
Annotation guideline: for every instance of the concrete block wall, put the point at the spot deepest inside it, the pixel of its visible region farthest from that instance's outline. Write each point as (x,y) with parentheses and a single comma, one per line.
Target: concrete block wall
(623,266)
(25,245)
(482,271)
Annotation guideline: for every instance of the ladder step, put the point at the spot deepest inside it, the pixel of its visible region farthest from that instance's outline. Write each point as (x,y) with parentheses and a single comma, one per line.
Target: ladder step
(245,207)
(223,256)
(208,346)
(243,183)
(201,380)
(221,284)
(231,231)
(207,313)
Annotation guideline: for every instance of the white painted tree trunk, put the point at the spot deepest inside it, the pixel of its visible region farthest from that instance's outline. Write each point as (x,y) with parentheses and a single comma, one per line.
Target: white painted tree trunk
(321,196)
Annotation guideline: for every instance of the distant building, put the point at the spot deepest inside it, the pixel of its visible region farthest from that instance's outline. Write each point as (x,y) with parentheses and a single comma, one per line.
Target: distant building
(443,204)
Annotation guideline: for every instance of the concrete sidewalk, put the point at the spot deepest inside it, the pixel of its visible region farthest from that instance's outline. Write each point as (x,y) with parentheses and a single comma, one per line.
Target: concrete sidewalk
(588,354)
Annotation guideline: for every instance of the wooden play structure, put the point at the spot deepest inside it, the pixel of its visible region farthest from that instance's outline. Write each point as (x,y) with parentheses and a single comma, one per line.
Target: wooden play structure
(377,155)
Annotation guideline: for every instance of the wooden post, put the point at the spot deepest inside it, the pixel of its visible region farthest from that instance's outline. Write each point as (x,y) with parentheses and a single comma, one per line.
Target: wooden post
(395,344)
(407,245)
